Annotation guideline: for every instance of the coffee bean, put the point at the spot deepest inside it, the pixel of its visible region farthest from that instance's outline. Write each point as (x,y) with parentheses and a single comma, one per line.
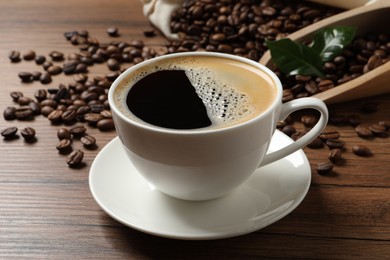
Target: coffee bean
(92,118)
(14,56)
(334,143)
(378,130)
(56,55)
(361,150)
(9,113)
(49,102)
(35,108)
(75,158)
(106,124)
(113,64)
(40,94)
(25,76)
(330,135)
(335,156)
(24,101)
(288,130)
(64,133)
(353,120)
(316,143)
(29,55)
(15,95)
(46,110)
(24,113)
(324,168)
(55,116)
(64,145)
(69,116)
(28,134)
(113,31)
(309,120)
(88,141)
(385,124)
(78,131)
(40,59)
(363,131)
(45,78)
(54,70)
(9,132)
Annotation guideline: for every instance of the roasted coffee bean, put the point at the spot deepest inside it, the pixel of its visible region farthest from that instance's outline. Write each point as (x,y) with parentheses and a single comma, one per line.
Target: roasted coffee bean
(361,150)
(35,108)
(88,141)
(363,131)
(9,132)
(113,31)
(45,78)
(334,143)
(106,114)
(309,120)
(15,95)
(75,158)
(55,116)
(14,56)
(113,64)
(69,116)
(106,124)
(353,120)
(64,133)
(24,113)
(92,118)
(46,110)
(9,113)
(78,131)
(47,64)
(324,168)
(29,55)
(288,130)
(49,102)
(40,59)
(330,135)
(24,101)
(61,94)
(64,145)
(295,136)
(56,55)
(316,143)
(379,130)
(335,156)
(28,133)
(54,70)
(25,76)
(40,94)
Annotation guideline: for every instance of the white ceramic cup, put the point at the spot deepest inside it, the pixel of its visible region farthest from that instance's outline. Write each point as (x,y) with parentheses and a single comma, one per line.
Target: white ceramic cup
(205,164)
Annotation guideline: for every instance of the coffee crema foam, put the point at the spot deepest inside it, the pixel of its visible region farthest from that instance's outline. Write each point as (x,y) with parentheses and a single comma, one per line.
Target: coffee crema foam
(232,92)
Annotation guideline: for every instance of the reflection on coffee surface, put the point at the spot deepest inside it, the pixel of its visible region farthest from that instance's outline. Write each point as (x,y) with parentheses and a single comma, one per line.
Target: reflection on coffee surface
(195,92)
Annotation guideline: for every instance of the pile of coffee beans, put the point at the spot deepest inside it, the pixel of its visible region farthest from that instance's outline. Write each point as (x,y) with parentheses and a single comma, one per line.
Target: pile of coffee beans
(240,26)
(364,54)
(82,101)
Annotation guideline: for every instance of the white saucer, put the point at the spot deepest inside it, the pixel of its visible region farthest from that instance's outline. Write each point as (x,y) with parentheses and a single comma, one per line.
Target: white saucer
(270,194)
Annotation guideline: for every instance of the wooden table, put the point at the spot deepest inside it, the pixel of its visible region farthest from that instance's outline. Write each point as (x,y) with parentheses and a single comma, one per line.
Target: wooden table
(47,210)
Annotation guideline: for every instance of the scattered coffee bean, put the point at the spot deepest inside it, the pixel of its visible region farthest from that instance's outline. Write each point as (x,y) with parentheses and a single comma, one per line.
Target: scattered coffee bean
(45,78)
(363,131)
(75,158)
(64,145)
(316,143)
(63,133)
(24,113)
(55,116)
(9,113)
(30,55)
(28,133)
(54,70)
(361,150)
(78,131)
(113,64)
(334,143)
(335,156)
(106,124)
(25,76)
(113,31)
(9,133)
(309,120)
(56,55)
(379,130)
(289,130)
(15,95)
(330,135)
(14,56)
(40,59)
(88,141)
(36,75)
(46,110)
(353,120)
(324,168)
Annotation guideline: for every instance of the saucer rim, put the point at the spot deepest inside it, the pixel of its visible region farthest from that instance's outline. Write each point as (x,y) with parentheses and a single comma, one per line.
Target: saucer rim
(297,200)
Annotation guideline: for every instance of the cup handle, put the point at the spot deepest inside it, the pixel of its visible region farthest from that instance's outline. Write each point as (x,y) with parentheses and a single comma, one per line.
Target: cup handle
(290,107)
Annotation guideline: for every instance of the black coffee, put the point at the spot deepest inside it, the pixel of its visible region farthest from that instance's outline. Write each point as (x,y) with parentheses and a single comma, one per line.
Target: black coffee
(194,92)
(167,98)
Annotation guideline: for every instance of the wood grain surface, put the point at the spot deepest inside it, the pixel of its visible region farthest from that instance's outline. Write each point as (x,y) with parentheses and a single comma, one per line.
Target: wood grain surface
(47,210)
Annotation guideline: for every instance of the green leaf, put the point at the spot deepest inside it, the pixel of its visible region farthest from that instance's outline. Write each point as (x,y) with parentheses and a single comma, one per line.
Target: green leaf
(295,58)
(329,42)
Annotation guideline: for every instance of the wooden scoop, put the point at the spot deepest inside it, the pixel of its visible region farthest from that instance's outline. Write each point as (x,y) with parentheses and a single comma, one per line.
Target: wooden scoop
(369,18)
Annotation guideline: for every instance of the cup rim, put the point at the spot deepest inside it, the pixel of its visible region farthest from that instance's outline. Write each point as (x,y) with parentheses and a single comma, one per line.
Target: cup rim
(150,127)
